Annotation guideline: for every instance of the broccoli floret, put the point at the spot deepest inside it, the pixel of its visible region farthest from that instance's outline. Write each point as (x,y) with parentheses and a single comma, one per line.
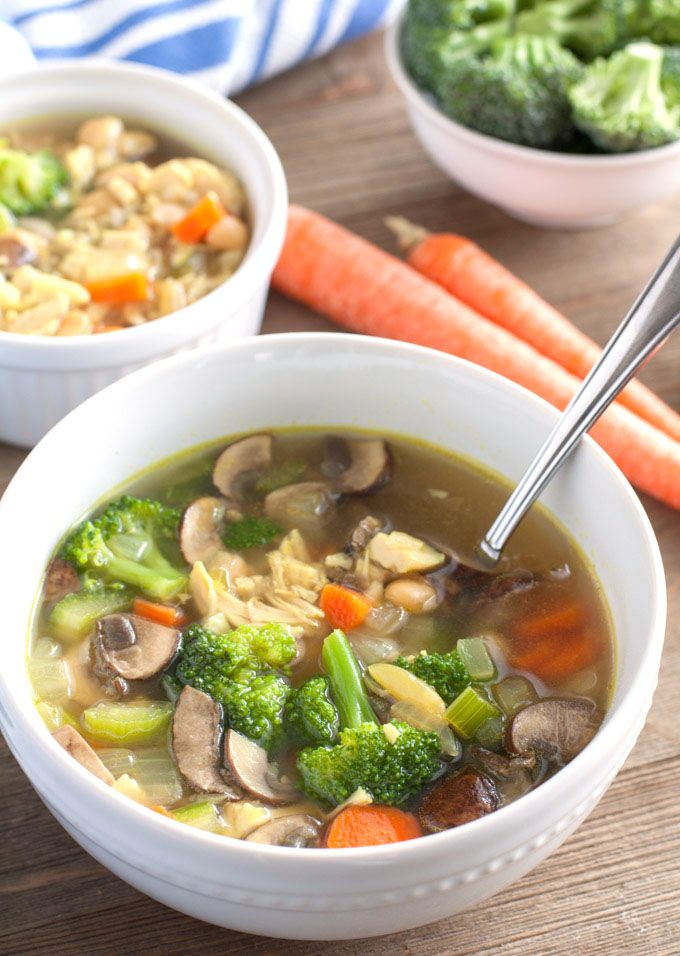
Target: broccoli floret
(310,716)
(446,673)
(620,104)
(588,27)
(657,20)
(30,182)
(391,772)
(670,75)
(123,545)
(251,532)
(517,93)
(458,14)
(236,669)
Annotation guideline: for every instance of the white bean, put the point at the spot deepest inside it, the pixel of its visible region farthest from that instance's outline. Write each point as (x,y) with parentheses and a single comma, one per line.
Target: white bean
(415,595)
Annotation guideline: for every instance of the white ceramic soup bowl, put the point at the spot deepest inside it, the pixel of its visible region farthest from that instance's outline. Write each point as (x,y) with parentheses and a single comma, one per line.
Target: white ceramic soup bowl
(322,380)
(551,189)
(43,378)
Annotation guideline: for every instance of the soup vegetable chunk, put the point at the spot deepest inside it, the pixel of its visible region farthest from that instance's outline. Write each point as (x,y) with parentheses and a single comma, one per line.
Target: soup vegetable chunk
(104,226)
(281,641)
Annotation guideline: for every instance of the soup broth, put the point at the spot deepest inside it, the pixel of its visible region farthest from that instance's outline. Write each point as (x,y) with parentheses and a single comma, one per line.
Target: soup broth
(340,567)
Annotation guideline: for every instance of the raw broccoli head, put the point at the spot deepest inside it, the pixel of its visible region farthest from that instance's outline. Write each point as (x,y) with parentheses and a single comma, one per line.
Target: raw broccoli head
(123,545)
(458,14)
(670,75)
(30,182)
(391,772)
(620,103)
(446,673)
(310,716)
(518,92)
(236,669)
(588,27)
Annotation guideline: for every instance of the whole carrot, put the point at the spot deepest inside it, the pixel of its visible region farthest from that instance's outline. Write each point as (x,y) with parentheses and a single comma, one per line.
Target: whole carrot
(474,277)
(367,290)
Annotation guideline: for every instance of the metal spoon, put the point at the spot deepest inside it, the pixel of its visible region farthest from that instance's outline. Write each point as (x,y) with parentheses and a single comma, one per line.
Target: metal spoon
(650,321)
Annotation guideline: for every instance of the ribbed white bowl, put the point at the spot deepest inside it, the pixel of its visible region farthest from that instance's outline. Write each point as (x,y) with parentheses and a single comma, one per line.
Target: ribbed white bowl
(41,379)
(324,380)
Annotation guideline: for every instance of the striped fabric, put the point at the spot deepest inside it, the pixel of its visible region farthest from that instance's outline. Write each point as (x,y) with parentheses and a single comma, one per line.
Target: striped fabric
(228,44)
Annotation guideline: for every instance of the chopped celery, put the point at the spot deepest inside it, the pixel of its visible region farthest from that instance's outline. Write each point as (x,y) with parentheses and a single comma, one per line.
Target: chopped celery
(469,711)
(137,722)
(514,693)
(54,716)
(48,672)
(204,816)
(151,767)
(76,614)
(477,660)
(490,734)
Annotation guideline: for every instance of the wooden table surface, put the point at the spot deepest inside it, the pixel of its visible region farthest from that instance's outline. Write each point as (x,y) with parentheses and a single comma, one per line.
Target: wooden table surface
(614,887)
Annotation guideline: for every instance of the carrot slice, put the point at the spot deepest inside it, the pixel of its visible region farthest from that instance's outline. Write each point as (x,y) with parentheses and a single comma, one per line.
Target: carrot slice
(364,289)
(199,220)
(117,290)
(557,659)
(160,613)
(372,825)
(569,617)
(343,607)
(479,280)
(157,808)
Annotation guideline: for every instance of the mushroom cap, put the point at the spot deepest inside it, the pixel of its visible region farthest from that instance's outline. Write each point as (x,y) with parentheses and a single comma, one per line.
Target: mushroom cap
(132,647)
(299,505)
(252,771)
(457,798)
(369,466)
(297,829)
(61,579)
(76,745)
(199,529)
(556,728)
(196,733)
(245,457)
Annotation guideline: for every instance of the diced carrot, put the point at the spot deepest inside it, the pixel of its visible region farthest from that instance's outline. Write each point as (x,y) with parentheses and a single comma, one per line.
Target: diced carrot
(117,290)
(476,278)
(157,808)
(569,617)
(557,659)
(160,613)
(366,290)
(343,607)
(199,220)
(372,825)
(100,329)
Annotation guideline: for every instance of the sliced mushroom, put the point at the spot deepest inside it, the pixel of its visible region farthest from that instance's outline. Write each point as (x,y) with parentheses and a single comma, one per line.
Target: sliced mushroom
(252,771)
(403,554)
(369,467)
(14,253)
(367,529)
(242,461)
(298,829)
(76,745)
(196,732)
(299,506)
(457,799)
(199,530)
(61,579)
(513,776)
(556,729)
(132,647)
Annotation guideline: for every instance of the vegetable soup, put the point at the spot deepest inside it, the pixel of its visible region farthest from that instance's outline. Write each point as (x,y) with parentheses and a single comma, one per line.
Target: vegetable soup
(284,639)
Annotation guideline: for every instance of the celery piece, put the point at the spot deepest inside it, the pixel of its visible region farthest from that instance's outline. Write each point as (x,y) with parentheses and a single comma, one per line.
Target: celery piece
(477,660)
(469,711)
(151,767)
(204,816)
(513,694)
(490,734)
(76,614)
(54,716)
(137,722)
(48,672)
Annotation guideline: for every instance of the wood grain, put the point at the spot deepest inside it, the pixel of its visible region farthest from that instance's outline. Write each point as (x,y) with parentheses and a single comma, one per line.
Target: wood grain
(614,887)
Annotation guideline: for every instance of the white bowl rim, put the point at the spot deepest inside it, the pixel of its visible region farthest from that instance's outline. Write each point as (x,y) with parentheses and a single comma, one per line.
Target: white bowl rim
(406,851)
(544,157)
(243,280)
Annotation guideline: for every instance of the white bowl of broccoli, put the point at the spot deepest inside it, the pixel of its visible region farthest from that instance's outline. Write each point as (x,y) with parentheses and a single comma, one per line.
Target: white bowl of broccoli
(565,114)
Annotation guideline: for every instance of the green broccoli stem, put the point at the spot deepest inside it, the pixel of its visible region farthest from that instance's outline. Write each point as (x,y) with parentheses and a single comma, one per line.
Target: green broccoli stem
(162,584)
(347,686)
(639,78)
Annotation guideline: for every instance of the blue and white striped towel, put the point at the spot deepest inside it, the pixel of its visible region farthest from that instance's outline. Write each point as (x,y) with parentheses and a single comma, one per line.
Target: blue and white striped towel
(228,44)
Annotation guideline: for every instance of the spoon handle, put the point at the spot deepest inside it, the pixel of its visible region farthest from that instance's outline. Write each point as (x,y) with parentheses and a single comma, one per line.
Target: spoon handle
(651,319)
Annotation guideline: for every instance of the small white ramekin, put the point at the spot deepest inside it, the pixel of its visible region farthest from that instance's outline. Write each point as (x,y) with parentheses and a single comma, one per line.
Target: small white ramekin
(549,189)
(41,379)
(328,381)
